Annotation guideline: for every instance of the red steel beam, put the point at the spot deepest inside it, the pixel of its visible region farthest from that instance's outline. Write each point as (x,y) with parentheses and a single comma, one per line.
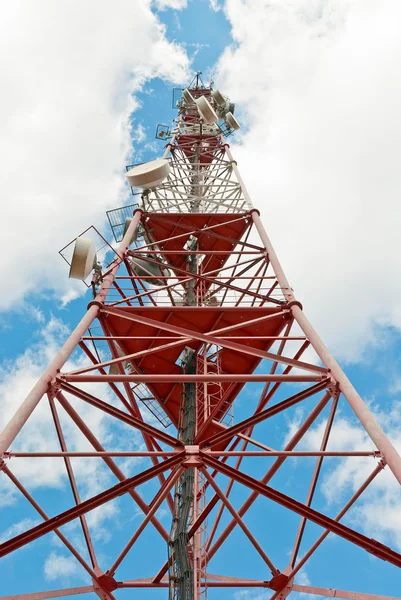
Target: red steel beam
(370,545)
(212,339)
(272,470)
(51,593)
(331,593)
(115,412)
(172,337)
(153,507)
(218,438)
(245,444)
(304,427)
(44,516)
(176,342)
(87,505)
(73,483)
(240,522)
(314,480)
(83,427)
(177,378)
(228,453)
(23,413)
(209,229)
(361,410)
(292,572)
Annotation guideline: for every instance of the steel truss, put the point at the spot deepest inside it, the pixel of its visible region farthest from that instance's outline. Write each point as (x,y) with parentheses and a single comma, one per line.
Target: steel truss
(206,332)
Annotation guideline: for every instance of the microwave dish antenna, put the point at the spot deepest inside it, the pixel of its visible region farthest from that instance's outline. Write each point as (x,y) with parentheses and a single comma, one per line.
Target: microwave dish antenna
(83,259)
(188,98)
(186,322)
(149,175)
(206,110)
(218,97)
(232,121)
(149,270)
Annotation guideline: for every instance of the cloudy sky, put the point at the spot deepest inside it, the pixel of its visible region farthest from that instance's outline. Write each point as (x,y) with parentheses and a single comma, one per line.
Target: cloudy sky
(318,93)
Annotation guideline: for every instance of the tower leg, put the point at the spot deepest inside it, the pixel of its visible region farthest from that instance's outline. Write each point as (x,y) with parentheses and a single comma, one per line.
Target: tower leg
(365,416)
(21,416)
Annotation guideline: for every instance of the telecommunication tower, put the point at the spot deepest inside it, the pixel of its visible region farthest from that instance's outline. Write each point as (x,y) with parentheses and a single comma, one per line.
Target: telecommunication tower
(192,308)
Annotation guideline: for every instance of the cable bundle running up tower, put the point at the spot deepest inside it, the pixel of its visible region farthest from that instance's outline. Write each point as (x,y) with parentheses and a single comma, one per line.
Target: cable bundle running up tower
(191,316)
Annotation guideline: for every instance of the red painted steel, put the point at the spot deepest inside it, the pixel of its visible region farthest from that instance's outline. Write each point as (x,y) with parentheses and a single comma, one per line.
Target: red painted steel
(222,297)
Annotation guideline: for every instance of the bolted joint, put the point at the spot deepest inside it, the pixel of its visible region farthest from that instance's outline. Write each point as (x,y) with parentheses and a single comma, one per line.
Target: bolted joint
(107,583)
(382,462)
(3,458)
(333,387)
(278,582)
(254,210)
(294,303)
(54,387)
(192,461)
(95,303)
(192,457)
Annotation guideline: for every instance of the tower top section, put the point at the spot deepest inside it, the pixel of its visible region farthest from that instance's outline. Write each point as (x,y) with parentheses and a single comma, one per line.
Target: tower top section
(202,109)
(196,172)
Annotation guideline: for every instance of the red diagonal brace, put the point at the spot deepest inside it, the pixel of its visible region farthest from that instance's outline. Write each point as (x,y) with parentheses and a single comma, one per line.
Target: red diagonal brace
(211,339)
(370,545)
(76,511)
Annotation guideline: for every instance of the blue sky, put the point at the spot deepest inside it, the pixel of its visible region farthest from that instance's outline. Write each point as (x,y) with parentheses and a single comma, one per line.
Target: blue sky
(318,150)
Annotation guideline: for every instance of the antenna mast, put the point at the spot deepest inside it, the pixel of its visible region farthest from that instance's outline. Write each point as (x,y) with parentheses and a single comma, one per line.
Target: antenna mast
(191,315)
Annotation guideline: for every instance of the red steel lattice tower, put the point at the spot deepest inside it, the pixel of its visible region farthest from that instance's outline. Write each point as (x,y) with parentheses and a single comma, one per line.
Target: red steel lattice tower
(193,307)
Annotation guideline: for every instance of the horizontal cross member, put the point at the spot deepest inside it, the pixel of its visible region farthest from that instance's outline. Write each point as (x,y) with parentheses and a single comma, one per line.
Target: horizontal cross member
(178,378)
(212,338)
(265,414)
(144,454)
(113,411)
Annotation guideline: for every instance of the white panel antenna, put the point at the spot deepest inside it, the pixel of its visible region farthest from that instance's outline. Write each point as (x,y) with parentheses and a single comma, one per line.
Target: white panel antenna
(206,110)
(188,98)
(83,258)
(149,175)
(232,121)
(218,98)
(144,268)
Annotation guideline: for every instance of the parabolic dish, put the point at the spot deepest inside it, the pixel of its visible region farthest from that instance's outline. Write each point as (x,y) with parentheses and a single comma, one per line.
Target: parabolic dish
(187,97)
(149,270)
(232,121)
(83,258)
(149,175)
(206,110)
(218,97)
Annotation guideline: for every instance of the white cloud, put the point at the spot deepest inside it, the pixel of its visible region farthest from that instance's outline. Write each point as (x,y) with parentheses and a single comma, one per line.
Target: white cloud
(174,4)
(16,529)
(319,90)
(376,512)
(214,5)
(69,72)
(139,134)
(38,434)
(60,566)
